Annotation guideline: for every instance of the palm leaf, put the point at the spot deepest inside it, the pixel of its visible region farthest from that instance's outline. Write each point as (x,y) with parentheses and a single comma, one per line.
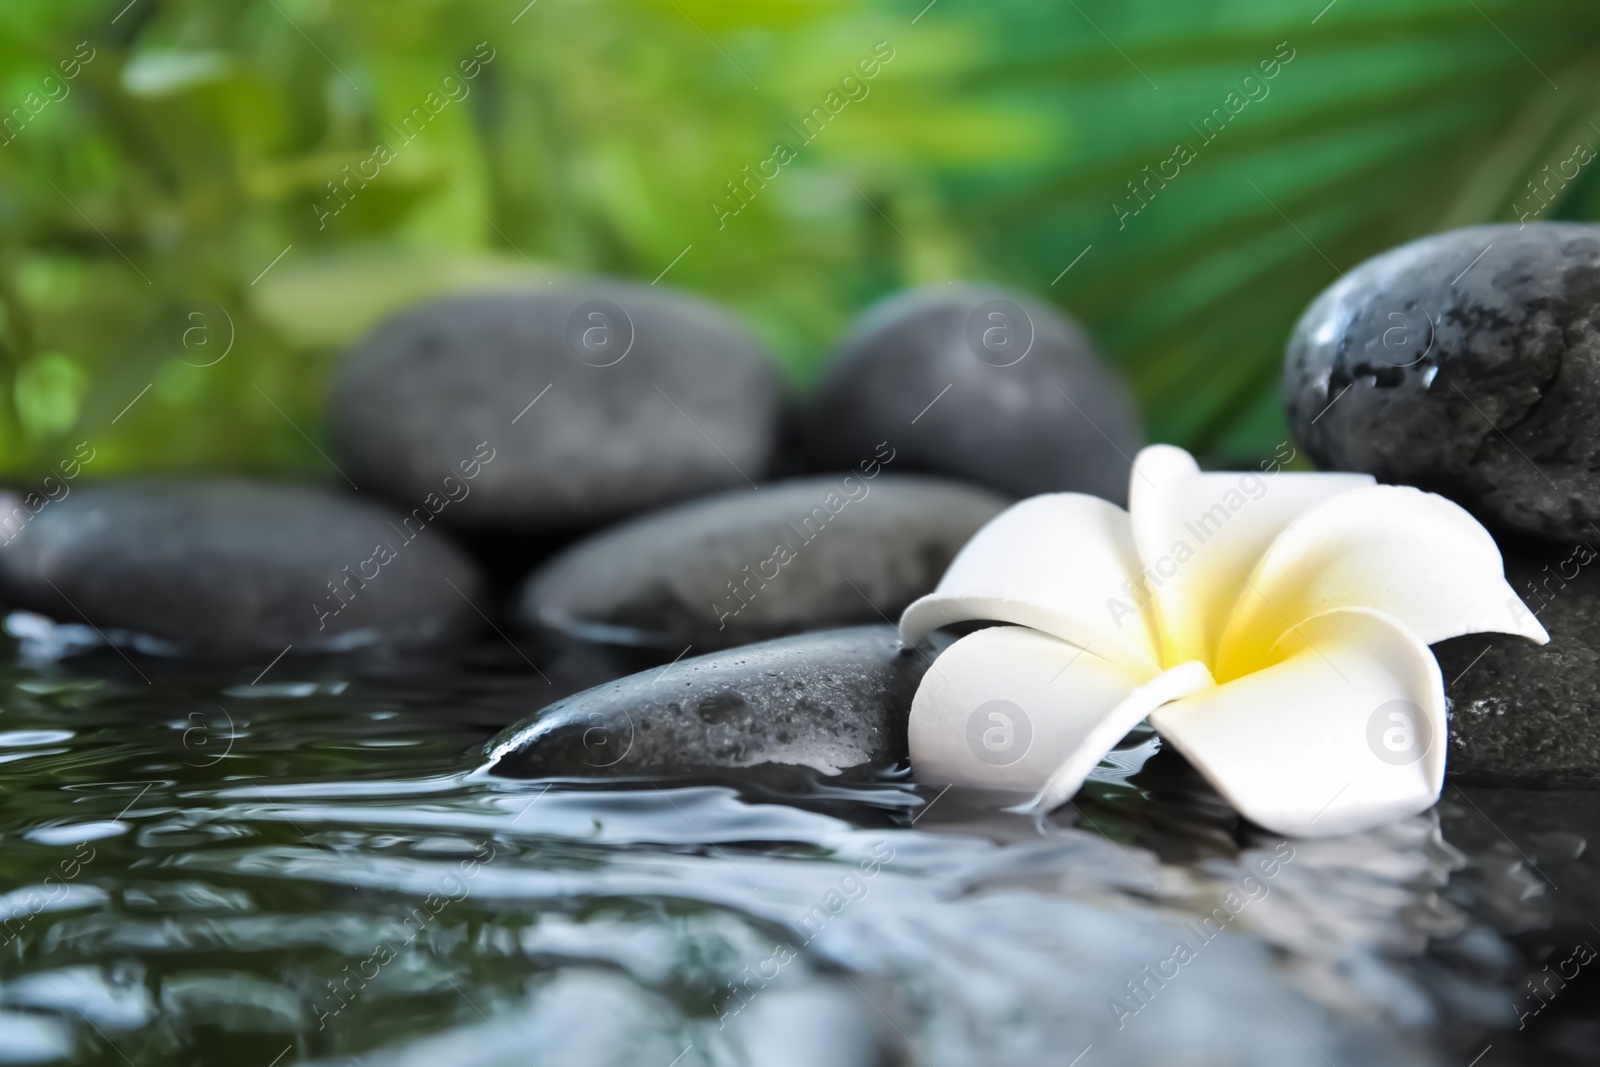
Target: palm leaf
(199,144)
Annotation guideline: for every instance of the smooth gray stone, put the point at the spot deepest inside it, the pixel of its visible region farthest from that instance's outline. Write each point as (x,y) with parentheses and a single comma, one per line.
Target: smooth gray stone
(1527,714)
(661,397)
(228,566)
(1054,419)
(829,701)
(1467,363)
(748,565)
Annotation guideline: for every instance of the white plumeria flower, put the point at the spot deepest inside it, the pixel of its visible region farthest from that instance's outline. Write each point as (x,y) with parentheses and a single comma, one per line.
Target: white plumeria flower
(1273,628)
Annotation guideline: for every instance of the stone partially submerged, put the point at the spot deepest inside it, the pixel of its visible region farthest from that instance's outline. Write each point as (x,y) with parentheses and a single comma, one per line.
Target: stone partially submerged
(829,701)
(231,567)
(1526,714)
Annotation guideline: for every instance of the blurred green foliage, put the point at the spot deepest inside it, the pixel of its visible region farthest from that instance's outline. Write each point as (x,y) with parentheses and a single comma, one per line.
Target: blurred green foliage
(171,201)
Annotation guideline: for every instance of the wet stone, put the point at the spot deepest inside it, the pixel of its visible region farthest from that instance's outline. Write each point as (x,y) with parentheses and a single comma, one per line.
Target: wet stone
(582,402)
(1468,364)
(1527,714)
(749,565)
(977,383)
(829,701)
(229,567)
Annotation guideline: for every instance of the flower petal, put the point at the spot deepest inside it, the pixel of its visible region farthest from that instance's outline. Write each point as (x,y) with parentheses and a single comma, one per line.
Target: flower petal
(1344,732)
(1005,707)
(1199,535)
(1412,555)
(1067,779)
(1058,563)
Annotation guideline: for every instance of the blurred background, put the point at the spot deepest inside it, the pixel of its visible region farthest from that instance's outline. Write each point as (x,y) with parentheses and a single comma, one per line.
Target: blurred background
(184,251)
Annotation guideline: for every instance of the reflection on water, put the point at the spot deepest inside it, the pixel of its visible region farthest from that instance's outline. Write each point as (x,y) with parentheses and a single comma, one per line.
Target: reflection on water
(310,869)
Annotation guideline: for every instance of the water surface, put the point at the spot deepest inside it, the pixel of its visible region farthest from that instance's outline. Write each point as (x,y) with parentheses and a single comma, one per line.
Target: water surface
(199,868)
